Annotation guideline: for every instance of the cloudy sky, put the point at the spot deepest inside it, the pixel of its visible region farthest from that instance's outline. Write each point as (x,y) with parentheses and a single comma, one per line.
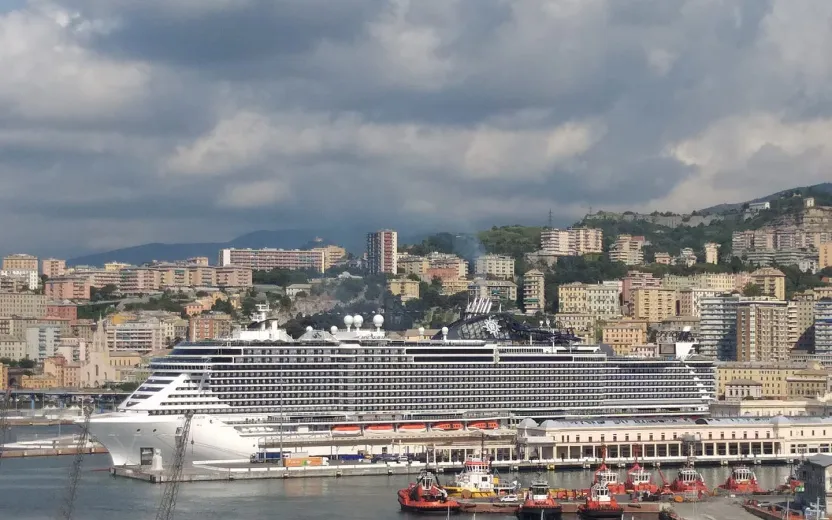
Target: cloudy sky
(126,121)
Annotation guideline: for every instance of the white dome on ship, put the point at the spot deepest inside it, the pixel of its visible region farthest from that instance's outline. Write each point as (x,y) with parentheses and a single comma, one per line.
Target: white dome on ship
(348,320)
(309,328)
(357,320)
(378,320)
(444,331)
(333,329)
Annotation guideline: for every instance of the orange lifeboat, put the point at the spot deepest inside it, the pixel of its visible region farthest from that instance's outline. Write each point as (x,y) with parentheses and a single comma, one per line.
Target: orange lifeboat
(484,425)
(413,427)
(447,426)
(346,429)
(379,428)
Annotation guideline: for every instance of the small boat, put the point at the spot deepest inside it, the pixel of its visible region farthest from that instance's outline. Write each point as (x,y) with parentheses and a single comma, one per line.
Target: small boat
(688,480)
(741,480)
(640,480)
(484,425)
(539,503)
(346,429)
(600,505)
(475,481)
(413,427)
(447,426)
(379,428)
(427,496)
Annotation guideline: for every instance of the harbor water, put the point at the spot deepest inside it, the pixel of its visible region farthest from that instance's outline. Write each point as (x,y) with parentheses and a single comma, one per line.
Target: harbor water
(32,489)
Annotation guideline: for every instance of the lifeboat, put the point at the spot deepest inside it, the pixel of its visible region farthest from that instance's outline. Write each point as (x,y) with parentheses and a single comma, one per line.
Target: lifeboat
(379,428)
(427,496)
(539,503)
(600,505)
(484,425)
(741,480)
(447,426)
(413,427)
(346,429)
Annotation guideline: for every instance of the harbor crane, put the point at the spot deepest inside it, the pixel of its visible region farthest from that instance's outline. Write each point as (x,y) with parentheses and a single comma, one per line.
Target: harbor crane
(168,503)
(68,505)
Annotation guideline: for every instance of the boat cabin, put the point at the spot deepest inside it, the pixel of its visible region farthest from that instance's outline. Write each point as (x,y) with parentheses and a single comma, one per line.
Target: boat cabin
(639,475)
(689,476)
(606,476)
(742,474)
(539,490)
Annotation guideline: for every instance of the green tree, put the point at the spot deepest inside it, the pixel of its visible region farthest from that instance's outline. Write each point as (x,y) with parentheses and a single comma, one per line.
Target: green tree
(26,363)
(752,289)
(224,306)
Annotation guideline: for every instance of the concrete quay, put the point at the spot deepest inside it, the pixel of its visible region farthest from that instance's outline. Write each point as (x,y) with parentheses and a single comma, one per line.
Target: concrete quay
(48,452)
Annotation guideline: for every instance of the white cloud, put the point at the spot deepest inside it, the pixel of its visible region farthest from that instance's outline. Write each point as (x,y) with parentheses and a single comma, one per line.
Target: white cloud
(254,194)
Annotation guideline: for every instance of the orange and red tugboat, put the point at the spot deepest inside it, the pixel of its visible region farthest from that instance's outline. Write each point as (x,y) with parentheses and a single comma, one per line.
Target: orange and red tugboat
(639,480)
(427,496)
(609,478)
(539,503)
(742,480)
(600,505)
(688,480)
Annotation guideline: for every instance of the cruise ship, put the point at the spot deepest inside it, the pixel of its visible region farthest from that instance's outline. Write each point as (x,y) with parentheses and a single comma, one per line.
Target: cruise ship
(484,369)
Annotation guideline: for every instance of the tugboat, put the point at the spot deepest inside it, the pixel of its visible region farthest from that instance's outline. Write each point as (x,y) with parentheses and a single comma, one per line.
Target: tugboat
(688,480)
(640,480)
(477,481)
(600,505)
(539,503)
(742,480)
(426,496)
(609,478)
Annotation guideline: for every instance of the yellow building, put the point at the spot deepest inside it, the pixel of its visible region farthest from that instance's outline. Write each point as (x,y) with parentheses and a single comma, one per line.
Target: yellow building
(663,258)
(4,376)
(582,324)
(39,382)
(825,255)
(451,286)
(572,298)
(20,262)
(654,304)
(762,330)
(623,335)
(116,266)
(406,288)
(811,382)
(773,376)
(772,282)
(410,264)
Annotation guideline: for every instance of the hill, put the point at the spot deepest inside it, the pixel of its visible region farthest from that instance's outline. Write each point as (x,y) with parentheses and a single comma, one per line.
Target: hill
(818,190)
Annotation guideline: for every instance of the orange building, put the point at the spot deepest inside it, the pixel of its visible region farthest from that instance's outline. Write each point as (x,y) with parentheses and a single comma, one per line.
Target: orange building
(67,288)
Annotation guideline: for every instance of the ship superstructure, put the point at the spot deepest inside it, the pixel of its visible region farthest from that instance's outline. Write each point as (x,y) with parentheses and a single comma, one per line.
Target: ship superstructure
(262,384)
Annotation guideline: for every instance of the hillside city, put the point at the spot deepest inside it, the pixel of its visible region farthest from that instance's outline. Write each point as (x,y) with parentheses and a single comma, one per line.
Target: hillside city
(756,296)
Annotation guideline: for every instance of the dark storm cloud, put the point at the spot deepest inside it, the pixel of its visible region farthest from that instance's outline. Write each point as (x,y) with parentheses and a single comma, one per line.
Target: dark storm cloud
(229,115)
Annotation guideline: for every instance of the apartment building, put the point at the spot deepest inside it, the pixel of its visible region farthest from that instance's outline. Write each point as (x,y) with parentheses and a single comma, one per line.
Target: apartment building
(12,347)
(712,253)
(23,304)
(4,376)
(20,262)
(448,261)
(406,288)
(585,241)
(823,327)
(772,282)
(67,288)
(139,280)
(582,324)
(116,266)
(412,264)
(497,290)
(52,267)
(572,298)
(212,325)
(690,300)
(654,304)
(137,336)
(801,321)
(628,250)
(623,335)
(17,277)
(762,330)
(234,277)
(772,375)
(601,300)
(637,280)
(534,287)
(268,259)
(42,341)
(825,255)
(718,327)
(555,241)
(454,286)
(686,257)
(663,258)
(382,251)
(498,266)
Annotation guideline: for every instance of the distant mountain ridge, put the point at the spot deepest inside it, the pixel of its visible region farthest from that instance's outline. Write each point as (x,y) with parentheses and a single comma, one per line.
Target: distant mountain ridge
(825,188)
(351,239)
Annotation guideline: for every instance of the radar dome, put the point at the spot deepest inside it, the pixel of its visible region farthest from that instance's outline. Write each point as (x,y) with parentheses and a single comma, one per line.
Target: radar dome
(309,328)
(348,320)
(421,331)
(378,320)
(358,320)
(444,331)
(333,329)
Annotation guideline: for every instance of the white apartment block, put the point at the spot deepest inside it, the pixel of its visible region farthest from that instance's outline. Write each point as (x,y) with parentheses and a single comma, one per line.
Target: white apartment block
(628,250)
(30,278)
(499,266)
(572,242)
(42,341)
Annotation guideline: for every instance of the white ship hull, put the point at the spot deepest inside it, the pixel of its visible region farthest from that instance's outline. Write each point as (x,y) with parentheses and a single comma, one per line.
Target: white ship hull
(126,434)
